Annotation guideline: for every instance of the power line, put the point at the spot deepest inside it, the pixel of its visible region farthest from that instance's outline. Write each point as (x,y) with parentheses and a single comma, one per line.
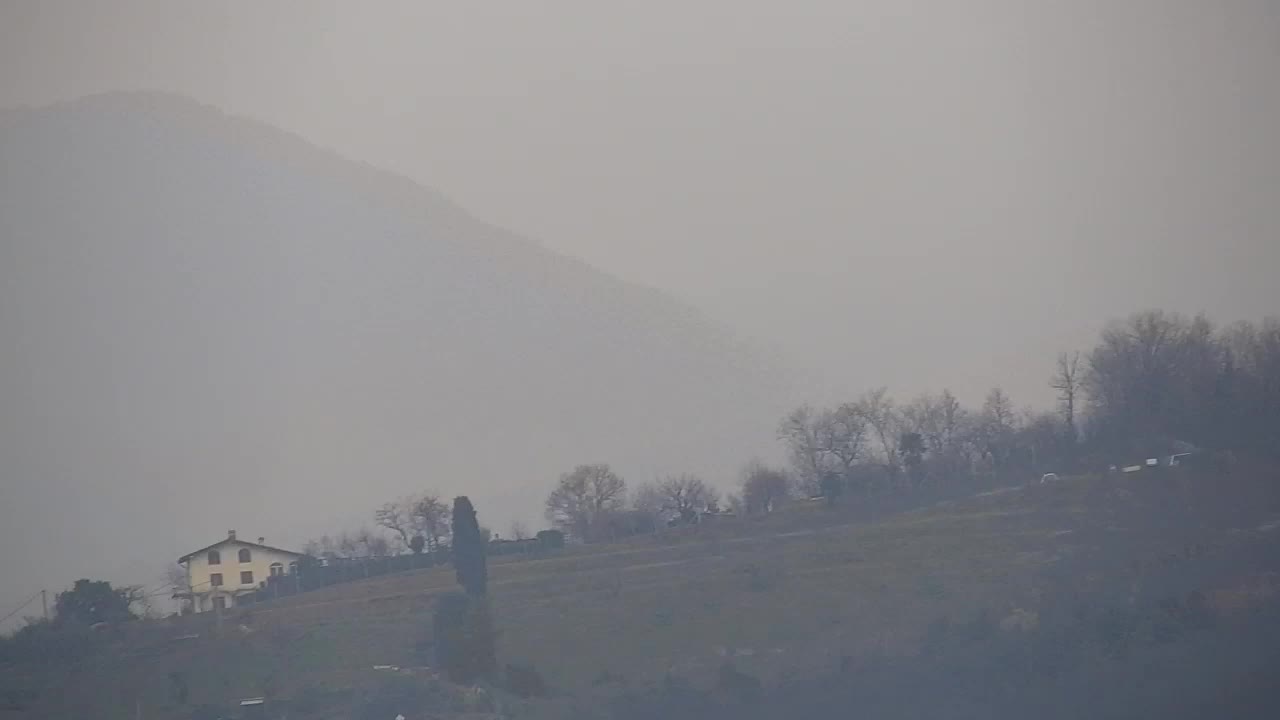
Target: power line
(24,604)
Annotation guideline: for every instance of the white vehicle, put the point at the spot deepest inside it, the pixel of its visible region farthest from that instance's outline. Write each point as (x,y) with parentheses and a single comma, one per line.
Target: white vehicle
(1048,478)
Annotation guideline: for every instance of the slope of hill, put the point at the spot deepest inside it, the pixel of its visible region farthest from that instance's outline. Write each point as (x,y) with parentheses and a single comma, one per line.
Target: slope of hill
(785,599)
(212,324)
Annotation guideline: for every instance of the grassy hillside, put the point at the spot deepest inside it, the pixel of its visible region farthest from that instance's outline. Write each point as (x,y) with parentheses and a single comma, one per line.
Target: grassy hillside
(797,593)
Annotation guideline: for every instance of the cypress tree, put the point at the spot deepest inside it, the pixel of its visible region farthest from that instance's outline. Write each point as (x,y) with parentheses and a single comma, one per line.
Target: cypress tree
(468,549)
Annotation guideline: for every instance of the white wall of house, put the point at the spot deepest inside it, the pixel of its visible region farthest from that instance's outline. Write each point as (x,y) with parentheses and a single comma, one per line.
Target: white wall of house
(241,567)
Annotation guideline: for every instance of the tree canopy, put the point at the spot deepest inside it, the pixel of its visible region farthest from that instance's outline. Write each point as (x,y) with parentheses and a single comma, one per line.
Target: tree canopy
(94,601)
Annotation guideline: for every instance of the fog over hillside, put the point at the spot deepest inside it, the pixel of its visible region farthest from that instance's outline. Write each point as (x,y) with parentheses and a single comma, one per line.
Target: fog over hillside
(921,195)
(210,324)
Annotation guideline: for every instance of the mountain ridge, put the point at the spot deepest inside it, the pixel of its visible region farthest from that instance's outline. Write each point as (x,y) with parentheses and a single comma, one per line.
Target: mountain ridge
(219,321)
(280,144)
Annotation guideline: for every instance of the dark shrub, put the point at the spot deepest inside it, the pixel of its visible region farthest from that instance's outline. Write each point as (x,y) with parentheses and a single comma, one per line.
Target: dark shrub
(447,628)
(50,643)
(93,601)
(550,539)
(465,640)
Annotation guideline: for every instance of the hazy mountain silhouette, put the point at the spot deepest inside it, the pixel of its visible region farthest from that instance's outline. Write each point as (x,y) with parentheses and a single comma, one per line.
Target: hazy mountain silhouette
(214,325)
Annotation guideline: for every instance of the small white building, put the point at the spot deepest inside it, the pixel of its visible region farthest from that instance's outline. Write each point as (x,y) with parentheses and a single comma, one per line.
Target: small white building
(222,572)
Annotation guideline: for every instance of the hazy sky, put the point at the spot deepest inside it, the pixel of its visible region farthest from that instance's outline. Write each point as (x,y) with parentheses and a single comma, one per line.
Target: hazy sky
(911,194)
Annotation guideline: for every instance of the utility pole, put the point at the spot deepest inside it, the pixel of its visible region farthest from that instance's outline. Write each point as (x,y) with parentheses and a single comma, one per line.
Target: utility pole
(44,600)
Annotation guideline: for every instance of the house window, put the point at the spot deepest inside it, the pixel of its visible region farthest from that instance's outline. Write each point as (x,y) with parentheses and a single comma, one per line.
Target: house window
(277,569)
(215,579)
(246,577)
(244,555)
(220,603)
(215,557)
(293,568)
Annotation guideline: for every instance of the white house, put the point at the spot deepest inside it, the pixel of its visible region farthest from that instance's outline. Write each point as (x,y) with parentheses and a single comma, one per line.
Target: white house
(222,572)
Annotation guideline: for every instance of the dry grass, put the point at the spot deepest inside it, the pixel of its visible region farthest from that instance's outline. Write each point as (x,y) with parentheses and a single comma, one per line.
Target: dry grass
(786,595)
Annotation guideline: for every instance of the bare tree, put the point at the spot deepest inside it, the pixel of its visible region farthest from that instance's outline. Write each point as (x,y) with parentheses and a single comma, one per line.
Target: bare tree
(1148,379)
(583,497)
(999,408)
(324,547)
(568,507)
(179,584)
(735,504)
(687,495)
(175,576)
(360,543)
(1039,442)
(822,444)
(877,409)
(842,433)
(433,516)
(950,417)
(940,423)
(799,432)
(313,548)
(518,530)
(423,515)
(348,545)
(763,488)
(648,499)
(992,432)
(398,517)
(370,544)
(139,600)
(1067,382)
(1246,404)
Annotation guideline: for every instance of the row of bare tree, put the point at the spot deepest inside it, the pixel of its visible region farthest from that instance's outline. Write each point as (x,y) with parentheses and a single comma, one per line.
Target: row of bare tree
(592,503)
(415,523)
(875,444)
(1155,383)
(1160,375)
(871,443)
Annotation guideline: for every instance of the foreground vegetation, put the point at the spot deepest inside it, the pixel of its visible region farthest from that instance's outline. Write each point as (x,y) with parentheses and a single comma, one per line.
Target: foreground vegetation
(1123,568)
(1154,385)
(903,546)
